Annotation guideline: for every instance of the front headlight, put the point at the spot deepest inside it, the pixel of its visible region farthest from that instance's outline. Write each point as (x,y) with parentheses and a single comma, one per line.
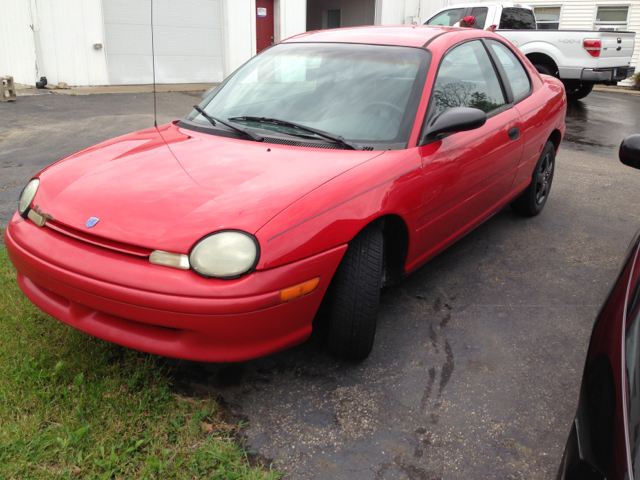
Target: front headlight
(226,254)
(27,196)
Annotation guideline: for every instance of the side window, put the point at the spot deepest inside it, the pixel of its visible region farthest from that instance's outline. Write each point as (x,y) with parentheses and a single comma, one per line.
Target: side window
(520,84)
(517,19)
(467,79)
(447,18)
(480,14)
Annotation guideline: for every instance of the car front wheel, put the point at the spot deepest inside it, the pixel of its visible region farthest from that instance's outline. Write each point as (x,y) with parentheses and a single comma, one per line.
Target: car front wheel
(532,200)
(356,296)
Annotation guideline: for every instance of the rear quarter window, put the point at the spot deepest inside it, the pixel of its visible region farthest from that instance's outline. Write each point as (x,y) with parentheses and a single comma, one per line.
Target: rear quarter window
(448,18)
(517,19)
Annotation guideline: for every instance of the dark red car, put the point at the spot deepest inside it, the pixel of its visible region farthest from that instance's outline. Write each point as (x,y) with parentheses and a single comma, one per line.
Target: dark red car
(604,442)
(333,163)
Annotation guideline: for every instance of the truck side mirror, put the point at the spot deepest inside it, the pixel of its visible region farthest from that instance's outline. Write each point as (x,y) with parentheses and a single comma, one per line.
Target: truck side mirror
(630,151)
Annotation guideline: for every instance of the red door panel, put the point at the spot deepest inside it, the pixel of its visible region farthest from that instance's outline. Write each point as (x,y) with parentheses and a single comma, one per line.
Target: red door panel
(536,112)
(467,176)
(264,24)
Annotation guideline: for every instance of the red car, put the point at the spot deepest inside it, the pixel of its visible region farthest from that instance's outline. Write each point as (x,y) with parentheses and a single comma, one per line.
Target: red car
(332,164)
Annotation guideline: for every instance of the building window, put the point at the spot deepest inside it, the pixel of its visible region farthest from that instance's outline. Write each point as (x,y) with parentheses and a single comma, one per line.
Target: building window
(611,18)
(547,18)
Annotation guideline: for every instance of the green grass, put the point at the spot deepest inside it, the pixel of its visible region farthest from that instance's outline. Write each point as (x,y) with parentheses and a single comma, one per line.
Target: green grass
(73,406)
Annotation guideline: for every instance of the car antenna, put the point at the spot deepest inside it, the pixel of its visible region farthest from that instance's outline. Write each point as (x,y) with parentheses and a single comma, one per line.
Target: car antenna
(153,63)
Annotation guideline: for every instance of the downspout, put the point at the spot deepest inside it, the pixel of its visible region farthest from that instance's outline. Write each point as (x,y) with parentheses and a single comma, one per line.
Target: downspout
(35,27)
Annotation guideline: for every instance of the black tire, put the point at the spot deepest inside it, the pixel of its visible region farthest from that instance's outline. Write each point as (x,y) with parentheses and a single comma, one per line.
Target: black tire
(545,70)
(531,202)
(577,90)
(356,296)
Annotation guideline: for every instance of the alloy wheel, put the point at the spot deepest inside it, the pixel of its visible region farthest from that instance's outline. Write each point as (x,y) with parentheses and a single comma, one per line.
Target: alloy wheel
(543,179)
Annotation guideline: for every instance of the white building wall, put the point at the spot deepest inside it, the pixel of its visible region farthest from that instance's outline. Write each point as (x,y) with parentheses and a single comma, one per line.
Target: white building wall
(403,12)
(17,47)
(239,28)
(68,31)
(238,33)
(52,38)
(291,18)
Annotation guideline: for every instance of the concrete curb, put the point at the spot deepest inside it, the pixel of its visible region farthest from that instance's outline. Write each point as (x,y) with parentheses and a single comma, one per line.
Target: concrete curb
(616,89)
(24,91)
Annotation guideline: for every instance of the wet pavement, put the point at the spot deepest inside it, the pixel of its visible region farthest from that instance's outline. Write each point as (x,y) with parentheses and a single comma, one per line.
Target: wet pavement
(597,124)
(477,362)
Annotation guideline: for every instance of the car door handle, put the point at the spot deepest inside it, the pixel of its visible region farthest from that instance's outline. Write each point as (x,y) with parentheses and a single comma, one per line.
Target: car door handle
(514,133)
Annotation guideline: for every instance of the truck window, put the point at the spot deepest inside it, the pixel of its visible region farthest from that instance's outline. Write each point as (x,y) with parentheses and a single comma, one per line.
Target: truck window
(517,77)
(467,79)
(447,18)
(480,14)
(517,19)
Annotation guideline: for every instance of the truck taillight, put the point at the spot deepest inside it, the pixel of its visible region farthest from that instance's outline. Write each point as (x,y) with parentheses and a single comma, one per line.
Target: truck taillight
(592,47)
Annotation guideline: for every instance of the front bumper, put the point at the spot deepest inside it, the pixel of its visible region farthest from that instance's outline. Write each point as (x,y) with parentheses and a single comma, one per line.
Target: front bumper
(129,301)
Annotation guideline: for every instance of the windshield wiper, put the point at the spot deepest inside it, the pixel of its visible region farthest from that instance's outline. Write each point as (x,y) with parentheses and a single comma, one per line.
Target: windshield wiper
(214,120)
(336,138)
(205,115)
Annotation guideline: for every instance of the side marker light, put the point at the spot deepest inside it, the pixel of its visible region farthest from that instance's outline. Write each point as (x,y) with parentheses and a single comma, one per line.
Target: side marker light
(299,290)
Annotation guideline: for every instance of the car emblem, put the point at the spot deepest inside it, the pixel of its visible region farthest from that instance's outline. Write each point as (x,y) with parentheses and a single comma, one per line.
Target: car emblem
(92,222)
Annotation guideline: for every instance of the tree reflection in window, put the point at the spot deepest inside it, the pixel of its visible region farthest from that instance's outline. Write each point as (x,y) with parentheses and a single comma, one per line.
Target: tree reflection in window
(466,78)
(461,94)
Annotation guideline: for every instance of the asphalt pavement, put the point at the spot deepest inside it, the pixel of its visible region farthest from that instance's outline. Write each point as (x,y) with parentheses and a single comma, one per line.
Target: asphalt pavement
(477,363)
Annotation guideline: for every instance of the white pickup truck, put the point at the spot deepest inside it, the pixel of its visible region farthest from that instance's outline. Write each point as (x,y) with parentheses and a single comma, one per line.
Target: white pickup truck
(580,58)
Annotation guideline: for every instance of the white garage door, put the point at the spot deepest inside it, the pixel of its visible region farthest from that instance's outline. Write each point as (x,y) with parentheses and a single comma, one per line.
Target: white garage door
(187,40)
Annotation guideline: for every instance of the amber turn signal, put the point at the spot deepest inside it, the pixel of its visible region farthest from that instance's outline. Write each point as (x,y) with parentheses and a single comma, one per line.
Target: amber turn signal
(299,290)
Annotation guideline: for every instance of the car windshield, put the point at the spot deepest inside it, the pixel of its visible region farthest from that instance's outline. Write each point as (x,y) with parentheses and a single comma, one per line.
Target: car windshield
(367,94)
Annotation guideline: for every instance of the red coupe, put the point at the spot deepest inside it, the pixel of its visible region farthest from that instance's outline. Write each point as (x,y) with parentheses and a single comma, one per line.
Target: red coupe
(330,165)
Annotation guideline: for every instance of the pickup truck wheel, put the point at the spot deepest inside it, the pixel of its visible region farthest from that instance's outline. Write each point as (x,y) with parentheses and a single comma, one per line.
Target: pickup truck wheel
(544,70)
(531,202)
(577,90)
(356,296)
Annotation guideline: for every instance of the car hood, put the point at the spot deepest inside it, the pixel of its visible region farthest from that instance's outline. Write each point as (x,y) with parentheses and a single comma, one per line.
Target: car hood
(166,188)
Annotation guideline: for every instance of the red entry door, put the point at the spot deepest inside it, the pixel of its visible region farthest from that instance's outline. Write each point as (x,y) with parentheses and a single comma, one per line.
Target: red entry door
(264,24)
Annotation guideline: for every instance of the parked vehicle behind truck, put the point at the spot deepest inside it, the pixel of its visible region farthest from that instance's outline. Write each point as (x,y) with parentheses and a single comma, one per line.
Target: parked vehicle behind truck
(580,58)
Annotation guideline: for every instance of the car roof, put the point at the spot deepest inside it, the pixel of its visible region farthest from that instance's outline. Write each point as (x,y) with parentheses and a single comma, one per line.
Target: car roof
(401,35)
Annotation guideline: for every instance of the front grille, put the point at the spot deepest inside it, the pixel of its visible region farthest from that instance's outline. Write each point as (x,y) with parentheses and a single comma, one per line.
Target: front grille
(98,241)
(272,140)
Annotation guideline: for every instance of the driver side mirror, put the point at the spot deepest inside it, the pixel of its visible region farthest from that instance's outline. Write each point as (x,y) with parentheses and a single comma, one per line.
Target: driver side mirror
(452,120)
(208,91)
(630,151)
